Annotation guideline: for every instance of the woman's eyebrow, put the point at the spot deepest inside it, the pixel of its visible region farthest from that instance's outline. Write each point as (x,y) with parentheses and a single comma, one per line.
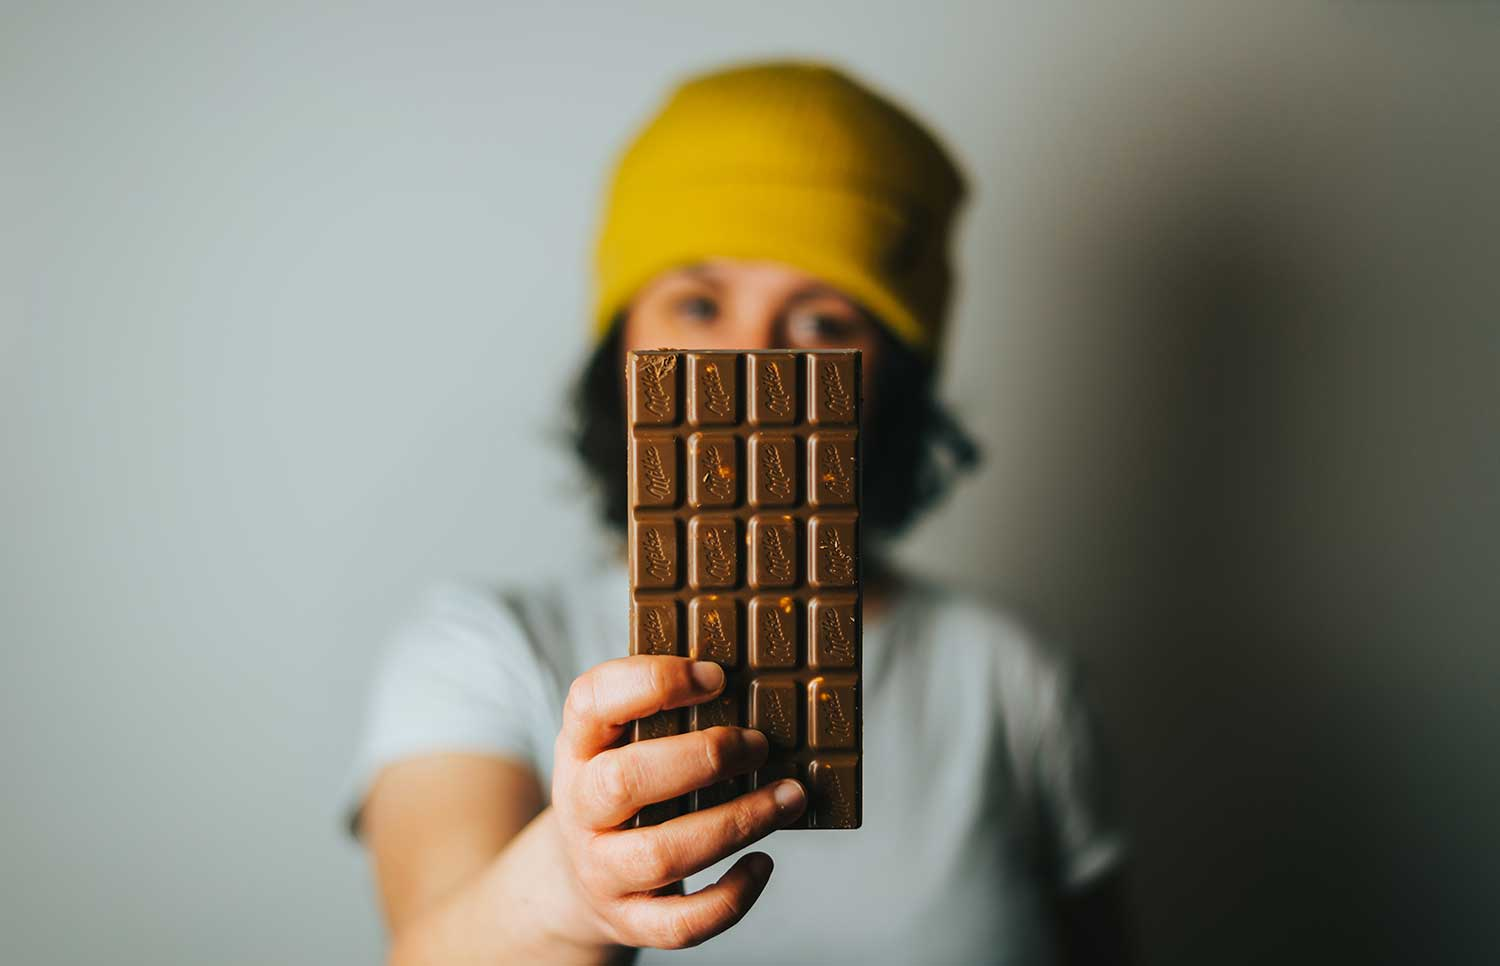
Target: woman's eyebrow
(702,273)
(815,290)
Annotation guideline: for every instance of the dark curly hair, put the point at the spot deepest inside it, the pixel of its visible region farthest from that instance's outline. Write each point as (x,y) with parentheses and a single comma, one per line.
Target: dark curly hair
(914,447)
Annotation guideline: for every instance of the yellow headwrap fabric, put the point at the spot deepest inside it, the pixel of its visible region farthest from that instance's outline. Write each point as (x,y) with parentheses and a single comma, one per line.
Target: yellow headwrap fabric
(788,161)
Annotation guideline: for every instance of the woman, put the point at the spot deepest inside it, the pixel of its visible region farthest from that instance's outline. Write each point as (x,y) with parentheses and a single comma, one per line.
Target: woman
(778,204)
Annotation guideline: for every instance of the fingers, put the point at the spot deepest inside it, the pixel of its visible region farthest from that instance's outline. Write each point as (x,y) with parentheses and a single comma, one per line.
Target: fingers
(606,697)
(615,784)
(676,922)
(649,858)
(626,873)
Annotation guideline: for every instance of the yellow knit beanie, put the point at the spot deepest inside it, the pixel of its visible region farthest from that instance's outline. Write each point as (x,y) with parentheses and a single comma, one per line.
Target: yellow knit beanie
(788,161)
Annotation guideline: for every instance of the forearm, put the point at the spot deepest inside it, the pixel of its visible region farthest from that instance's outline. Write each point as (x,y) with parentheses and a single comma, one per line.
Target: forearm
(522,908)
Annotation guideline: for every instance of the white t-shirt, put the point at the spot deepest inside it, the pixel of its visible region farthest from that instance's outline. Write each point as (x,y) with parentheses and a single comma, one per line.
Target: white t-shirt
(980,770)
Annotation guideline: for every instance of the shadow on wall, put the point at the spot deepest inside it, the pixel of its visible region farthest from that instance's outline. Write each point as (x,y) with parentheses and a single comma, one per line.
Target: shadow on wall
(1266,274)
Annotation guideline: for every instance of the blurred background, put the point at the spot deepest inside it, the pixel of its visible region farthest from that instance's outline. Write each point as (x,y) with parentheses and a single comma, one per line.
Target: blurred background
(290,294)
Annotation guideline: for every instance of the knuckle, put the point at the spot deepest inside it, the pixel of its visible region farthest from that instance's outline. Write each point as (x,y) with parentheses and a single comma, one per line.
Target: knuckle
(663,678)
(728,907)
(563,783)
(580,702)
(648,861)
(622,922)
(744,820)
(672,863)
(678,931)
(595,878)
(715,749)
(636,922)
(614,783)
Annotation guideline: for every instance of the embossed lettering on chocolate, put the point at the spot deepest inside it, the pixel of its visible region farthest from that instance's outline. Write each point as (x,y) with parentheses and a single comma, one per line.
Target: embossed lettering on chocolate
(744,549)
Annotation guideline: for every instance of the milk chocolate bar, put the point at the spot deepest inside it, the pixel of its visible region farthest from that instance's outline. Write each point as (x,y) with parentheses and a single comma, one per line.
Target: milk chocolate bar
(744,549)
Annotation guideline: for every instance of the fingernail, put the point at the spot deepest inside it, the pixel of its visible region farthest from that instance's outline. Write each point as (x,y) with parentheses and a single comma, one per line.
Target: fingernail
(789,795)
(759,864)
(707,675)
(755,741)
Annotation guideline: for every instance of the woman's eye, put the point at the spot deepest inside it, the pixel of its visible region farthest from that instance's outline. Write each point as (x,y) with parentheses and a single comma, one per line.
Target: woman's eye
(812,326)
(699,308)
(831,325)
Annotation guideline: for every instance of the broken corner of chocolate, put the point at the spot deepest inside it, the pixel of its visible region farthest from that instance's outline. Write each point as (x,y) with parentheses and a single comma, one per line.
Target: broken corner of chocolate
(745,472)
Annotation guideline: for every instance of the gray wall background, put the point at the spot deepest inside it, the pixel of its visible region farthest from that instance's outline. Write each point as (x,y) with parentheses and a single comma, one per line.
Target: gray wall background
(1227,330)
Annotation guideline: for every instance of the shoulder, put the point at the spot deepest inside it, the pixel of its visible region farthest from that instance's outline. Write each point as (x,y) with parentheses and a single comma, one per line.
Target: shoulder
(458,608)
(478,612)
(458,618)
(475,665)
(456,635)
(542,621)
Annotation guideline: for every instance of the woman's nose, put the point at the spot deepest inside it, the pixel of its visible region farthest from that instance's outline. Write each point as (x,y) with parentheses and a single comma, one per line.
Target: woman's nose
(755,332)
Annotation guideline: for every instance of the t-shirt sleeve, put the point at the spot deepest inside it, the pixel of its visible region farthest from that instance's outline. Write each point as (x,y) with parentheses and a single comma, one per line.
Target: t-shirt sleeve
(1074,785)
(460,676)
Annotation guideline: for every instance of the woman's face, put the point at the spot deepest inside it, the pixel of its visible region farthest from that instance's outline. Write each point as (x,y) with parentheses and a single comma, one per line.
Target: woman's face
(725,303)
